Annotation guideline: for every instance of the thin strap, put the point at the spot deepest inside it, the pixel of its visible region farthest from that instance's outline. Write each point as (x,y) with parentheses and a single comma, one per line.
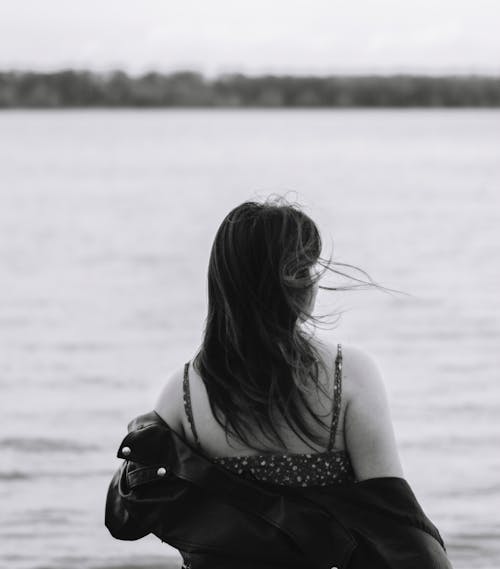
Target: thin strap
(337,396)
(187,404)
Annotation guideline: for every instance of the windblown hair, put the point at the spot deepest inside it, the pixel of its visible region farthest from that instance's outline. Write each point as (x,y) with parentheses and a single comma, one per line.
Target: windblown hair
(255,358)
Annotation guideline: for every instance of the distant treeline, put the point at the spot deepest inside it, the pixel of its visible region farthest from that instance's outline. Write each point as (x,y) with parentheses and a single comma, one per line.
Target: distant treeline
(70,88)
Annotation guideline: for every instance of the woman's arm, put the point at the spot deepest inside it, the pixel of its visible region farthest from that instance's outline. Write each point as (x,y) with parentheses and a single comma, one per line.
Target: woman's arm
(369,432)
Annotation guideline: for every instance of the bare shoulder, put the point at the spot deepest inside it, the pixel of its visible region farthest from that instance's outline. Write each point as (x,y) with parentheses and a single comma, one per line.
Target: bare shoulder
(361,372)
(369,434)
(362,378)
(169,404)
(360,369)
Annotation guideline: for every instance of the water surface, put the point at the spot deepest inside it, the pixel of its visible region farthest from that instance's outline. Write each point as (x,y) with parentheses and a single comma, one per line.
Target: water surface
(106,220)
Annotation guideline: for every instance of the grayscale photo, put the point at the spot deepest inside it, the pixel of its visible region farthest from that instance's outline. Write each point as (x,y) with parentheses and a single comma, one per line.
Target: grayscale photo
(249,284)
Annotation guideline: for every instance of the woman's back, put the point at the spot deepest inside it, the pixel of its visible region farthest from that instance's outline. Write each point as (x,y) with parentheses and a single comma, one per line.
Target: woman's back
(363,445)
(284,466)
(213,437)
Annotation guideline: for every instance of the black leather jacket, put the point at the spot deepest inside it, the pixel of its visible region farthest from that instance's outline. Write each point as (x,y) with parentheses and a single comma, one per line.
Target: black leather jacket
(219,520)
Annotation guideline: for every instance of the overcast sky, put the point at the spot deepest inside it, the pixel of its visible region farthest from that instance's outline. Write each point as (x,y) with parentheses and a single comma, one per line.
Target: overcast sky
(255,36)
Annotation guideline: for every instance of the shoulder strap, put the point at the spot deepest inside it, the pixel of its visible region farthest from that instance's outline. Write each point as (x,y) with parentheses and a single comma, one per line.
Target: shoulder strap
(187,404)
(337,396)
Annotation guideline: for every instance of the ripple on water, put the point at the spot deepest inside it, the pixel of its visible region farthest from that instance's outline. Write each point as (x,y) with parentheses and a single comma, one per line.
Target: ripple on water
(42,445)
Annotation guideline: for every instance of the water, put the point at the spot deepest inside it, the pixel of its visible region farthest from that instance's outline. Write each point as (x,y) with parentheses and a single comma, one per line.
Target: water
(106,220)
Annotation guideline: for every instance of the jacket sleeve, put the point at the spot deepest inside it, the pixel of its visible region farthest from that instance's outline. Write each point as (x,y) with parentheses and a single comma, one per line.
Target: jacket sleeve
(120,523)
(132,508)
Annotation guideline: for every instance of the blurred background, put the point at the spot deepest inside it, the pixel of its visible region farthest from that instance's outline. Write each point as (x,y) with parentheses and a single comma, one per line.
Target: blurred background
(128,131)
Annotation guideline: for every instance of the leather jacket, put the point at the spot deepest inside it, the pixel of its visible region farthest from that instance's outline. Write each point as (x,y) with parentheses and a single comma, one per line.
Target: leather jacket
(218,520)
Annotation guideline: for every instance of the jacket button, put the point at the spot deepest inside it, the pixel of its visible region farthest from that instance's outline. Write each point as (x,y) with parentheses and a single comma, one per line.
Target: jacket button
(161,471)
(126,451)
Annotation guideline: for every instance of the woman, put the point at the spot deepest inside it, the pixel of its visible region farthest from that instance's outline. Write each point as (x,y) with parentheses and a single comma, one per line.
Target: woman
(272,423)
(256,361)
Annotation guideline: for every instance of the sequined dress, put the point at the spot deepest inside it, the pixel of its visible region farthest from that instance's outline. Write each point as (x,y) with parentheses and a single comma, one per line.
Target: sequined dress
(288,469)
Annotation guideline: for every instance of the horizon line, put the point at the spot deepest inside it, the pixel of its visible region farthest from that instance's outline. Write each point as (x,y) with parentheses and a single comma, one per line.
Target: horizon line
(228,73)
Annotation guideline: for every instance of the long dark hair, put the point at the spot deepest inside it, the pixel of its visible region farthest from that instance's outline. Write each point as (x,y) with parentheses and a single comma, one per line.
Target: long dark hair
(256,359)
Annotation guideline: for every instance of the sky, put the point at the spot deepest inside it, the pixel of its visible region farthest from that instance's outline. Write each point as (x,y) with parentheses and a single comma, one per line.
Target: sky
(256,36)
